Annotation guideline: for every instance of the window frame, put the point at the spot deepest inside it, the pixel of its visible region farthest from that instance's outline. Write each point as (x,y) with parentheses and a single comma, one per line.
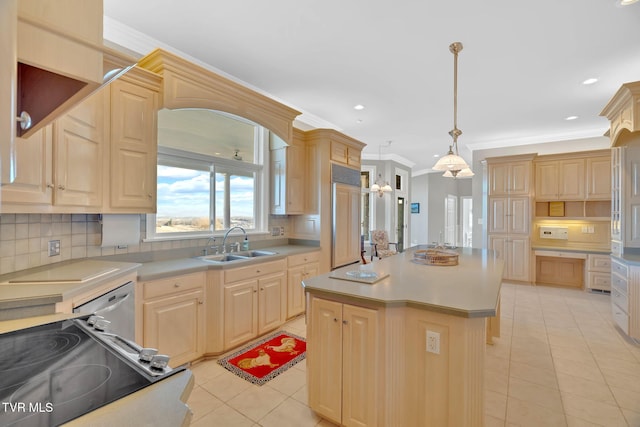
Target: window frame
(190,160)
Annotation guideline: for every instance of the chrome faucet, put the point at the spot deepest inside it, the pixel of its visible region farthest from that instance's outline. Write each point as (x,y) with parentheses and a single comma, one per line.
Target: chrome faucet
(245,246)
(207,247)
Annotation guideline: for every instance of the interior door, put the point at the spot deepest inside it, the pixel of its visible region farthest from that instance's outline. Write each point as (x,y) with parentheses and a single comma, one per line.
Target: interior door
(400,204)
(451,220)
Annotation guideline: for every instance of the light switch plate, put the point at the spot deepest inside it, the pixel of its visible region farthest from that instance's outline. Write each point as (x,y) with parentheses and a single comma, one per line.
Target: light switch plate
(54,247)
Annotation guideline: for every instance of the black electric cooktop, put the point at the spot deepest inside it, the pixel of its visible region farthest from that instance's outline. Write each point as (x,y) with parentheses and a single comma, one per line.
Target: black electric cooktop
(53,373)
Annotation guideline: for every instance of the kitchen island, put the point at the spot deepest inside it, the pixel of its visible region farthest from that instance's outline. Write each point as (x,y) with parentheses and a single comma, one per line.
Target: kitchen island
(407,350)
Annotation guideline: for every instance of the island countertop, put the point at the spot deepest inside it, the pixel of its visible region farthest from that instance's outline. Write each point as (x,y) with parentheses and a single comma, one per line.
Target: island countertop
(469,289)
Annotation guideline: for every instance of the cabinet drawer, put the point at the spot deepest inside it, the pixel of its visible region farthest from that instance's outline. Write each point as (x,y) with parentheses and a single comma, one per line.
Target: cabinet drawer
(619,298)
(621,318)
(619,268)
(295,260)
(600,263)
(254,270)
(619,283)
(172,285)
(598,280)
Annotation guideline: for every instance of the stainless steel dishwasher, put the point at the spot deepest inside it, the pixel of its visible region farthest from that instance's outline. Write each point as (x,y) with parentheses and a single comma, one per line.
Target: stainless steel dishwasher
(118,307)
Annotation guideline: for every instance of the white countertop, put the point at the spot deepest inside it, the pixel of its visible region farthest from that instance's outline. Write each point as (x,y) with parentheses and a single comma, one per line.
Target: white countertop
(469,289)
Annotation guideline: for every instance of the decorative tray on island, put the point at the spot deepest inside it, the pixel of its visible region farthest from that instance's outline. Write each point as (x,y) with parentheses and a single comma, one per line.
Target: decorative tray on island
(435,256)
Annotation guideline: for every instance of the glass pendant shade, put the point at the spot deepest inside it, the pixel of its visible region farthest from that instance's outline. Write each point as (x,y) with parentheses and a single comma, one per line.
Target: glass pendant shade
(462,173)
(380,187)
(451,162)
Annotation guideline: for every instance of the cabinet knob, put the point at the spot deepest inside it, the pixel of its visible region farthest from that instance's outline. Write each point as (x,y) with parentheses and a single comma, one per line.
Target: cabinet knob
(61,187)
(255,290)
(200,302)
(176,285)
(25,120)
(149,196)
(344,322)
(262,289)
(335,319)
(51,186)
(258,271)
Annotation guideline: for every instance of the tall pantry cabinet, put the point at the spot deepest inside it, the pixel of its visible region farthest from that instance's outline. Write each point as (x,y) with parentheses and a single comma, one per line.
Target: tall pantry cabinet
(510,206)
(623,111)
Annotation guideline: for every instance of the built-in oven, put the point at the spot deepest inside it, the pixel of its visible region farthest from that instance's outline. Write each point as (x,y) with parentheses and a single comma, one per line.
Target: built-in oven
(116,310)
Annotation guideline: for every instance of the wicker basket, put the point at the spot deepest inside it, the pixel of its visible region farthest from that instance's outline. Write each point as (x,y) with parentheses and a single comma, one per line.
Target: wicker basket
(436,257)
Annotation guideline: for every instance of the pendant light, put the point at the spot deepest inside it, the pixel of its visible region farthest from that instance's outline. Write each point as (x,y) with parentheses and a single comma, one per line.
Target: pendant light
(380,186)
(452,163)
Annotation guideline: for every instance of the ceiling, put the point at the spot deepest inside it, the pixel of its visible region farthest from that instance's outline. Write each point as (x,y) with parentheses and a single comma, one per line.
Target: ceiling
(520,73)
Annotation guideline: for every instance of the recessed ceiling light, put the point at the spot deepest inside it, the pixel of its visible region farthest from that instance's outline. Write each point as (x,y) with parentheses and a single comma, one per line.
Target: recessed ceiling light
(627,2)
(590,81)
(436,155)
(359,107)
(359,121)
(571,118)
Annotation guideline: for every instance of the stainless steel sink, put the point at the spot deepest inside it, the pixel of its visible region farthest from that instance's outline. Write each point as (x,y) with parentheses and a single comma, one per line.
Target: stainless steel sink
(236,256)
(252,254)
(223,258)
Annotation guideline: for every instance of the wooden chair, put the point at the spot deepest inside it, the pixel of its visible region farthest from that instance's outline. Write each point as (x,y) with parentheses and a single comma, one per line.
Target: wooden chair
(380,244)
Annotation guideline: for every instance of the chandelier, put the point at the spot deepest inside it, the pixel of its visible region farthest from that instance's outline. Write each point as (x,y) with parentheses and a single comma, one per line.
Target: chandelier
(381,186)
(454,165)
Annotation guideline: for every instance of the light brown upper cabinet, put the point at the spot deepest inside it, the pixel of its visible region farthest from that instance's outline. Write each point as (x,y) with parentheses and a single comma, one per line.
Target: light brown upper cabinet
(560,180)
(510,178)
(599,178)
(133,148)
(60,167)
(288,164)
(345,154)
(576,177)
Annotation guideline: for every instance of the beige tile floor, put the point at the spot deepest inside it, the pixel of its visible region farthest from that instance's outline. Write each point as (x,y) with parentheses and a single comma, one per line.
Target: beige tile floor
(559,362)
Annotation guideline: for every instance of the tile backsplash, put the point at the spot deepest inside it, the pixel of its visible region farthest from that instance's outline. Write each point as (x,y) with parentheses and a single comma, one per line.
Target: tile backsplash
(24,239)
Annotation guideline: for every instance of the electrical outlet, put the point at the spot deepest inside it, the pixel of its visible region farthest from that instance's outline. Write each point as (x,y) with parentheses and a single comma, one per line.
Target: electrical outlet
(282,231)
(275,231)
(54,247)
(433,342)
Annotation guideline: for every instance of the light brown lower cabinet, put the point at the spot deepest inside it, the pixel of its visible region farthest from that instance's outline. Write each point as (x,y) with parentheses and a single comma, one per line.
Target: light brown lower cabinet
(301,267)
(560,271)
(368,364)
(343,362)
(254,301)
(173,316)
